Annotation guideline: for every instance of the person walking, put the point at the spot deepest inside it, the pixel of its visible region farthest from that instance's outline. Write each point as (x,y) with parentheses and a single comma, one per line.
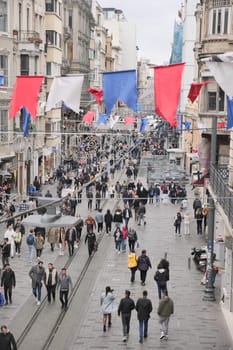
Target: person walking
(108,219)
(124,310)
(124,232)
(37,274)
(165,310)
(177,223)
(143,308)
(132,263)
(18,241)
(90,239)
(118,239)
(39,244)
(132,238)
(6,251)
(199,219)
(8,282)
(10,235)
(52,235)
(64,284)
(127,214)
(107,307)
(71,237)
(99,218)
(7,340)
(50,280)
(62,241)
(143,265)
(196,204)
(161,277)
(31,244)
(118,217)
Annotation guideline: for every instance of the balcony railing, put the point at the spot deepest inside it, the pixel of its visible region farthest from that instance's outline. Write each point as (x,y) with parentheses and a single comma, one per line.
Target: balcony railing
(30,36)
(219,183)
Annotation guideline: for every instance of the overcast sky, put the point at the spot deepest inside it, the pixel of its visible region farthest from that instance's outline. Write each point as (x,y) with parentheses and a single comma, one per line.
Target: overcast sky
(154,21)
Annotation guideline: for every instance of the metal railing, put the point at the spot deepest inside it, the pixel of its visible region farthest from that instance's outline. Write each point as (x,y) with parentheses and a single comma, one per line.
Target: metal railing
(219,183)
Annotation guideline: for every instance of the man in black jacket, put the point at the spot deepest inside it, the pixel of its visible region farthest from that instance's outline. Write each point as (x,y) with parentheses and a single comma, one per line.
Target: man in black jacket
(7,340)
(8,282)
(144,308)
(6,252)
(125,307)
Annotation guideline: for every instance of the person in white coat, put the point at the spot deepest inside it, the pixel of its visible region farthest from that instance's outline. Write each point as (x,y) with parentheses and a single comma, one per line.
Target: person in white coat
(187,223)
(107,306)
(10,233)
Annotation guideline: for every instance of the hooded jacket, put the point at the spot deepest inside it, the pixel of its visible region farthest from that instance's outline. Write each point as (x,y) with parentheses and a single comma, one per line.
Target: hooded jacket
(144,308)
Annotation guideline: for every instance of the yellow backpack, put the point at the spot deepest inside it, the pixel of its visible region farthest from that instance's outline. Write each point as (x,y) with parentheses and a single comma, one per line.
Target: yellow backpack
(132,260)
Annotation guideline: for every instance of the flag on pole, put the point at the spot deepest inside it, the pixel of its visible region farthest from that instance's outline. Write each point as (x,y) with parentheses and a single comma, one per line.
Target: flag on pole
(229,112)
(167,81)
(120,85)
(26,119)
(1,80)
(103,118)
(187,125)
(88,117)
(195,89)
(25,93)
(97,94)
(129,120)
(143,124)
(67,89)
(223,74)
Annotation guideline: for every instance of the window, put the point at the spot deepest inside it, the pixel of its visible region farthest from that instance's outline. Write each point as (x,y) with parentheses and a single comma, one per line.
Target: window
(28,19)
(53,38)
(220,19)
(51,5)
(52,69)
(70,19)
(3,15)
(24,64)
(4,69)
(48,68)
(216,100)
(4,126)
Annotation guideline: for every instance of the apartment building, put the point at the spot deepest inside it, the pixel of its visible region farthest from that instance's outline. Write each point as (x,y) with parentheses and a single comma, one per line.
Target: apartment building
(214,23)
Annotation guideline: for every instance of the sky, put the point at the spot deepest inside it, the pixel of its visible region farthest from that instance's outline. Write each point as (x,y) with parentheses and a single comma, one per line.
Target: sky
(154,20)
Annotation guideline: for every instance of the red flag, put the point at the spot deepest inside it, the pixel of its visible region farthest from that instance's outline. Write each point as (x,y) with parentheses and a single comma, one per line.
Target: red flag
(221,125)
(24,94)
(167,81)
(129,120)
(88,117)
(97,94)
(195,90)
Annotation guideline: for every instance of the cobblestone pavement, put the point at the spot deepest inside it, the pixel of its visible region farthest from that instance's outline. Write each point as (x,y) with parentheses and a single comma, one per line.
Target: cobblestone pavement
(196,324)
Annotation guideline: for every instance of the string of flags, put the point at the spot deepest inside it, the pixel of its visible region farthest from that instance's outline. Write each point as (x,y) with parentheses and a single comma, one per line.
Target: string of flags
(119,86)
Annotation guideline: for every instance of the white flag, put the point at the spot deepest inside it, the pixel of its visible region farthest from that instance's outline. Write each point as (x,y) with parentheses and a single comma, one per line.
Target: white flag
(223,74)
(65,89)
(113,120)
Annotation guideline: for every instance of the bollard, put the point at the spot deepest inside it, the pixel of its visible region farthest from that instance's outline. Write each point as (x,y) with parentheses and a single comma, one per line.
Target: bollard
(189,263)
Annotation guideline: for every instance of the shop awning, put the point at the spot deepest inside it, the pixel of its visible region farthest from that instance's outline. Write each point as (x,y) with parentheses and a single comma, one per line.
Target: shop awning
(7,157)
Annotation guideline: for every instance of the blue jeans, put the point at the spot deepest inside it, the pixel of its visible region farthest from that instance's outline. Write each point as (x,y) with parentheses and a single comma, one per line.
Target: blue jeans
(31,250)
(143,328)
(37,290)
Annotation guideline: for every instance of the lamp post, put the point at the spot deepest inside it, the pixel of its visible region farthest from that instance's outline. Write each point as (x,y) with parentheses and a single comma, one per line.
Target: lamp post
(209,289)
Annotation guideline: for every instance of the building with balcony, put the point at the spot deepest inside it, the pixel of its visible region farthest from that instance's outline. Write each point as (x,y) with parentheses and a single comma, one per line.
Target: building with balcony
(214,36)
(21,53)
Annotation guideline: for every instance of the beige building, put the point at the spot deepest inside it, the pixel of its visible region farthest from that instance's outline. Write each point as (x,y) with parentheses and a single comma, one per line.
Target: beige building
(214,36)
(21,53)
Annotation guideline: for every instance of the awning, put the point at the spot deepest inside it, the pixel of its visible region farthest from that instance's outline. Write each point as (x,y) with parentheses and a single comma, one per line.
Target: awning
(7,157)
(47,220)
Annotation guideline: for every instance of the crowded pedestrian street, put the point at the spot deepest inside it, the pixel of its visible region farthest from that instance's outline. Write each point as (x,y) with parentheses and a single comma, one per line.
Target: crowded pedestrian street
(195,321)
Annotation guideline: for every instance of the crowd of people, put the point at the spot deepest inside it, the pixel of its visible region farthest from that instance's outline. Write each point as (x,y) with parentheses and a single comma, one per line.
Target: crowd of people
(122,221)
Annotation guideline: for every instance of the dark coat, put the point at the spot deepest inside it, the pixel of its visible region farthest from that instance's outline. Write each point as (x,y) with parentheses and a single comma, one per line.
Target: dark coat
(126,306)
(8,278)
(143,263)
(7,341)
(144,308)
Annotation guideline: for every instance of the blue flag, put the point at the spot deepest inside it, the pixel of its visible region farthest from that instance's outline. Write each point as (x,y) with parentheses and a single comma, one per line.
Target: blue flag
(143,124)
(120,85)
(103,118)
(26,119)
(187,125)
(229,112)
(1,80)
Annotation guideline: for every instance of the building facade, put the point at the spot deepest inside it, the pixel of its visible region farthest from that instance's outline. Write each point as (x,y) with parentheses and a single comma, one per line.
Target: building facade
(214,23)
